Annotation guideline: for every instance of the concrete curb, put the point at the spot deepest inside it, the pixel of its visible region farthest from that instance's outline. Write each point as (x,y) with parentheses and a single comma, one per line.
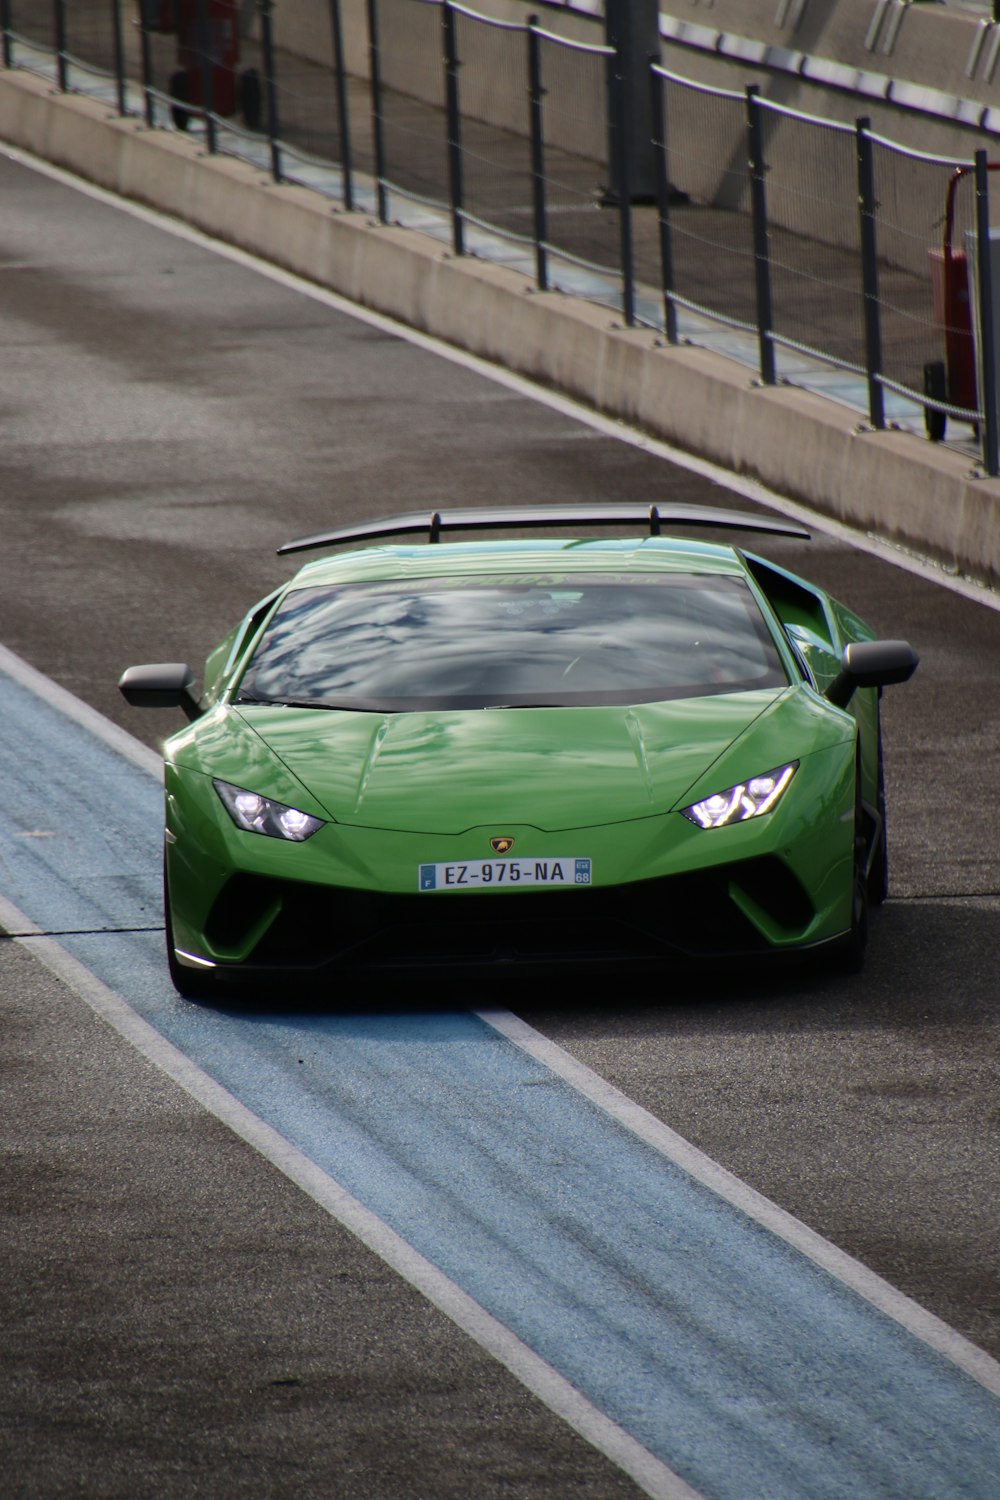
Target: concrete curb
(894,484)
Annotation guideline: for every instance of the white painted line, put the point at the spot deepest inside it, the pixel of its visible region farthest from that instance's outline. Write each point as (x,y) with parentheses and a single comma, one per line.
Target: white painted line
(749,489)
(850,1272)
(652,1476)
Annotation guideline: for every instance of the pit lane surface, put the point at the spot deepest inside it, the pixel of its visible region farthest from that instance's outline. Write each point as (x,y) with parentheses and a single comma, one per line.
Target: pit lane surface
(173,417)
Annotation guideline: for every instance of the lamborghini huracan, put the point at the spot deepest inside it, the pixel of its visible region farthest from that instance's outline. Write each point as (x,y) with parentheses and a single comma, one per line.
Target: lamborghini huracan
(522,754)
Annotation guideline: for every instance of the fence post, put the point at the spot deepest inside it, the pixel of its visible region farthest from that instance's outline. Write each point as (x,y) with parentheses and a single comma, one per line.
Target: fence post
(535,95)
(343,114)
(620,176)
(762,264)
(270,86)
(5,30)
(659,116)
(119,49)
(60,17)
(869,274)
(378,139)
(207,78)
(451,66)
(987,340)
(146,55)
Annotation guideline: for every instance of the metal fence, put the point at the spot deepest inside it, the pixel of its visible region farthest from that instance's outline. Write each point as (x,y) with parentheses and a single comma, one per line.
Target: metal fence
(831,242)
(811,240)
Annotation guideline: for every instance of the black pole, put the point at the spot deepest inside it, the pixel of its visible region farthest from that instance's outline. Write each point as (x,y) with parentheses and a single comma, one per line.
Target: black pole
(207,79)
(5,30)
(620,175)
(454,118)
(343,113)
(535,95)
(762,264)
(987,339)
(378,138)
(60,9)
(632,28)
(869,274)
(659,117)
(146,54)
(270,86)
(119,46)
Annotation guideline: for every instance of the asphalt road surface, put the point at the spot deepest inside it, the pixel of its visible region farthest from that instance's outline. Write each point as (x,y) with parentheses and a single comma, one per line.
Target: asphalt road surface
(179,1318)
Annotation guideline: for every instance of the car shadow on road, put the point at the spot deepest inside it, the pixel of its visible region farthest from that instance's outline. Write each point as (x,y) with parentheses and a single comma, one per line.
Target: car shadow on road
(929,960)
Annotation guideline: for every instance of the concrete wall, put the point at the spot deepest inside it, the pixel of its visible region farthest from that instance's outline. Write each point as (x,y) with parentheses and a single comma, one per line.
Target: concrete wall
(892,483)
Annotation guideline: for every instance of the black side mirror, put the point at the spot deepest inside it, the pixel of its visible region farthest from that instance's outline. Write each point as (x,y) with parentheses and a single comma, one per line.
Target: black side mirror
(866,664)
(165,684)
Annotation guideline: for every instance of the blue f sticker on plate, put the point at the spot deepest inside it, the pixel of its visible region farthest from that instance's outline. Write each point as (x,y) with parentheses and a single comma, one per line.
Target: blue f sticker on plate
(428,877)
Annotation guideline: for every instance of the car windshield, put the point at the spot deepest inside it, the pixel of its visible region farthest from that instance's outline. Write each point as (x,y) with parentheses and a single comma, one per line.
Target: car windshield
(498,641)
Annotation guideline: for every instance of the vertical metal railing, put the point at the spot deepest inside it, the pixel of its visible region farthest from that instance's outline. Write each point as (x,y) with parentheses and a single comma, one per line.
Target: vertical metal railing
(207,77)
(5,33)
(661,159)
(987,330)
(61,60)
(761,257)
(343,111)
(869,275)
(270,86)
(146,65)
(453,117)
(378,127)
(621,175)
(119,53)
(539,206)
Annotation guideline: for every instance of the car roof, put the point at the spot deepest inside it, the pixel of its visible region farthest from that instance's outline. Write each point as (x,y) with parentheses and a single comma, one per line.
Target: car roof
(632,554)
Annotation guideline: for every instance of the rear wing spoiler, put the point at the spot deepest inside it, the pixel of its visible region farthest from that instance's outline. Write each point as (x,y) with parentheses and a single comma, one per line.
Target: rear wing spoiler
(525,517)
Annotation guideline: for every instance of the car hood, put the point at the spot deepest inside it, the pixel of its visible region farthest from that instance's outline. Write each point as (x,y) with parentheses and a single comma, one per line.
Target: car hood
(550,768)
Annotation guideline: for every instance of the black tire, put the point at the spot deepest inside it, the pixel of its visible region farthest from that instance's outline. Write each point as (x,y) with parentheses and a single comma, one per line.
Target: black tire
(249,98)
(191,984)
(936,387)
(878,874)
(180,94)
(855,942)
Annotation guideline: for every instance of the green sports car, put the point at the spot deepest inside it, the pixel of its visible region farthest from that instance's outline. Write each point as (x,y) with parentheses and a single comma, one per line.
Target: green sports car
(524,752)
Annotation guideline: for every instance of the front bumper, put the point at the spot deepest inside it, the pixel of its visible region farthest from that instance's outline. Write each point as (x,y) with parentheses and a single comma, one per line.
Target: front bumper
(664,891)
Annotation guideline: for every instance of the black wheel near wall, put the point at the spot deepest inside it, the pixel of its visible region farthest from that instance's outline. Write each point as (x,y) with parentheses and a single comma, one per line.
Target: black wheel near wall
(249,98)
(180,94)
(936,387)
(878,874)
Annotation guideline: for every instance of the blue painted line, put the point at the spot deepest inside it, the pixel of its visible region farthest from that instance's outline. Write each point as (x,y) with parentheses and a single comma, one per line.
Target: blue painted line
(738,1362)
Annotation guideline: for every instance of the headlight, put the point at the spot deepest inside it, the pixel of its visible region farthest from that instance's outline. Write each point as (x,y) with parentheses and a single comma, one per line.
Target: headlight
(746,800)
(258,814)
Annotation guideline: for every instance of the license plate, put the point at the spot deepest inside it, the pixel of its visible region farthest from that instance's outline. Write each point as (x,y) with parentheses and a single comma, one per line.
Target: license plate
(492,874)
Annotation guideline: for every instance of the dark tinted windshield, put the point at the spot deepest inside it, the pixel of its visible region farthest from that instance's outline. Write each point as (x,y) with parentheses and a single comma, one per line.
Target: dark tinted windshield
(490,641)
